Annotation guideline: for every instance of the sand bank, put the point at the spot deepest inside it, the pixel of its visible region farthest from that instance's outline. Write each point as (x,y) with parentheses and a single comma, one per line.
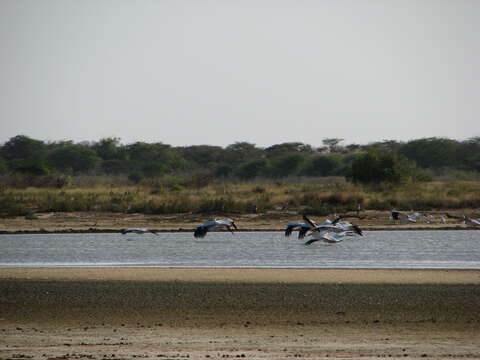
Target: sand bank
(227,313)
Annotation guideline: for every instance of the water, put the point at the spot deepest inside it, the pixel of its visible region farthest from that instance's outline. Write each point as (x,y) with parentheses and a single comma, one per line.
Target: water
(377,249)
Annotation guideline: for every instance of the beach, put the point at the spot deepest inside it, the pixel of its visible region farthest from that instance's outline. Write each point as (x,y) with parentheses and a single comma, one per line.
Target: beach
(159,313)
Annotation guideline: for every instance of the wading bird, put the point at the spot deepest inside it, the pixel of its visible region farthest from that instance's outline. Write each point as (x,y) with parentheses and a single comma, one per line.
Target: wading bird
(209,225)
(466,220)
(138,231)
(412,218)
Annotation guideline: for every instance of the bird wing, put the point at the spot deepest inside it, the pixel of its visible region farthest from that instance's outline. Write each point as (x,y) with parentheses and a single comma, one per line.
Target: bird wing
(333,237)
(311,241)
(200,231)
(290,227)
(310,222)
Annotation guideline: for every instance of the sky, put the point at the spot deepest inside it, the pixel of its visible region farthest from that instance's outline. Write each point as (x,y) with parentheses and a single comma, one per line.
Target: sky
(214,72)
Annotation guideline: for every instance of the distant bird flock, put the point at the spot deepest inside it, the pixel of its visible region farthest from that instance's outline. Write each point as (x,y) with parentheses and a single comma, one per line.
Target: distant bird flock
(329,231)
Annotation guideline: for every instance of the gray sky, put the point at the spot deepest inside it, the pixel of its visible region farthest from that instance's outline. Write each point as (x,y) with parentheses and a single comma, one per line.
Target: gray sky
(187,72)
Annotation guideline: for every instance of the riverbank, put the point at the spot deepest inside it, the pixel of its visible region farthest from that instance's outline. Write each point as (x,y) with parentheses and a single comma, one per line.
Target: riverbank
(78,222)
(76,313)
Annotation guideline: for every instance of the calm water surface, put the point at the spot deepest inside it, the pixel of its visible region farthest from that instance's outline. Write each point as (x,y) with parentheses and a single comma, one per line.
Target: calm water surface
(377,249)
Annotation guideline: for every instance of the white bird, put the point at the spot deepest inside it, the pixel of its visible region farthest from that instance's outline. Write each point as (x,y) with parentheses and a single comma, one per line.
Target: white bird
(333,226)
(412,218)
(209,225)
(328,236)
(137,231)
(471,222)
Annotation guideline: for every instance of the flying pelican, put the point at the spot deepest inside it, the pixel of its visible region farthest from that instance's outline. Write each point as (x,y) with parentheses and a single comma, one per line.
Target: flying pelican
(336,225)
(328,236)
(137,231)
(297,225)
(209,225)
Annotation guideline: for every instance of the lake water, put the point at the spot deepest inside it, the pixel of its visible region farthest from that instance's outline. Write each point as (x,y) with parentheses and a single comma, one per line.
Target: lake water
(376,249)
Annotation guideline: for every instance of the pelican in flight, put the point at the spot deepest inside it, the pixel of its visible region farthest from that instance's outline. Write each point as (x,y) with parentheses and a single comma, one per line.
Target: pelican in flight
(302,227)
(332,231)
(328,236)
(336,226)
(209,225)
(138,231)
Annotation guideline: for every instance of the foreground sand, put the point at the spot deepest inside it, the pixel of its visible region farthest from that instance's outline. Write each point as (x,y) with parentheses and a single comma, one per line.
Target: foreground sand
(118,313)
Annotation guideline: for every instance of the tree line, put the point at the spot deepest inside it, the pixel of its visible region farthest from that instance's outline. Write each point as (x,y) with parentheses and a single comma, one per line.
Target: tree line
(383,161)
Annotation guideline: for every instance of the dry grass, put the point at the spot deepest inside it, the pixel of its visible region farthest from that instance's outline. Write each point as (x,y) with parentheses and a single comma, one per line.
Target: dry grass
(317,199)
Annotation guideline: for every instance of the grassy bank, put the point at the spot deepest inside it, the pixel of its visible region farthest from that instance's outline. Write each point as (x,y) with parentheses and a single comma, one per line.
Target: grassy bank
(316,199)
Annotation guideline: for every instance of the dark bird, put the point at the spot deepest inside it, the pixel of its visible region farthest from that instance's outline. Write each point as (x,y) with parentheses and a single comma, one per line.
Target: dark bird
(137,231)
(209,225)
(302,227)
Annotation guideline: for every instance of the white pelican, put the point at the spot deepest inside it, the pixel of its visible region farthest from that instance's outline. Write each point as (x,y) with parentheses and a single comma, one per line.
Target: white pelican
(466,220)
(209,225)
(137,231)
(471,222)
(328,236)
(336,226)
(412,218)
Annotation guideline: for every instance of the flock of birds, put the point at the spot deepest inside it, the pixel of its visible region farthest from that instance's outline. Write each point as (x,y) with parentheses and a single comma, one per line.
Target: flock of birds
(329,231)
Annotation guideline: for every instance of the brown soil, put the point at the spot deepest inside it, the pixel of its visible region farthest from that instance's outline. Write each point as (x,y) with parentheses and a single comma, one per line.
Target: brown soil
(99,313)
(275,220)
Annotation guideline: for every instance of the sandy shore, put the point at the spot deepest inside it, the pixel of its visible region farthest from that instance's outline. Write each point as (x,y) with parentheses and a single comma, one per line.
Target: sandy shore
(274,221)
(75,313)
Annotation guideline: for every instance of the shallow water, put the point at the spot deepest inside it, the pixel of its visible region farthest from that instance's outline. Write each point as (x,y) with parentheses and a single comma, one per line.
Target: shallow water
(376,249)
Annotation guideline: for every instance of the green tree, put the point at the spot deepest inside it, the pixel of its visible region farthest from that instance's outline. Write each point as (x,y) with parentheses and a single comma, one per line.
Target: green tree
(75,157)
(26,155)
(252,169)
(289,164)
(332,144)
(324,165)
(380,167)
(431,152)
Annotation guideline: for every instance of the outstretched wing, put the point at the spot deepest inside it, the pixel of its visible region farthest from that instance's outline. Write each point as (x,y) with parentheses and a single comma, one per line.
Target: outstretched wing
(311,241)
(308,221)
(200,231)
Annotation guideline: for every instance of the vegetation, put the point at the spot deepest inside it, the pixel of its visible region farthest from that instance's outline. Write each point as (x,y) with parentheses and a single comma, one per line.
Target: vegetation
(143,161)
(423,174)
(229,198)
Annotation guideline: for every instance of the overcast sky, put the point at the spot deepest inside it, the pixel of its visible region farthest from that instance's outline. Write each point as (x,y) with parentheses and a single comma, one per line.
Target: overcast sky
(189,72)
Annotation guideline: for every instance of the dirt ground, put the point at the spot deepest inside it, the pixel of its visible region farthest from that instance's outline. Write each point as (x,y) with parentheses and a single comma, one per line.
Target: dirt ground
(275,220)
(115,313)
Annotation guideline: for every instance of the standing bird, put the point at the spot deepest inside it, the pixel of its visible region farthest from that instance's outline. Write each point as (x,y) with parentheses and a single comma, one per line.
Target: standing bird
(138,231)
(209,225)
(412,218)
(471,222)
(466,220)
